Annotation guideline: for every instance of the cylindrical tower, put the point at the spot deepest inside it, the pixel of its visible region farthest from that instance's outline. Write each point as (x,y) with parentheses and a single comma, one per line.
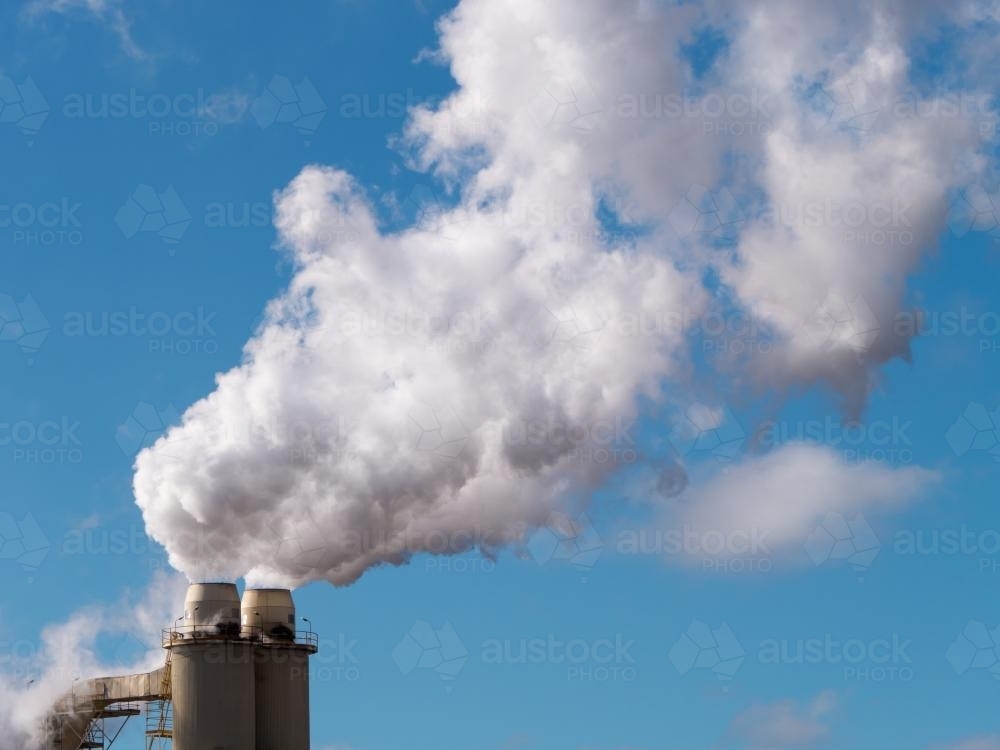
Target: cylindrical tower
(212,673)
(212,608)
(281,667)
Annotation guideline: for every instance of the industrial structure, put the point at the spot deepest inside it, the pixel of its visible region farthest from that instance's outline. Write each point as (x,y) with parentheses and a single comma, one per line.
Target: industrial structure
(236,677)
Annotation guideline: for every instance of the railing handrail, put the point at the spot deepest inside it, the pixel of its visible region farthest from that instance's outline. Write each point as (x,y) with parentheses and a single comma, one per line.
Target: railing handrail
(186,633)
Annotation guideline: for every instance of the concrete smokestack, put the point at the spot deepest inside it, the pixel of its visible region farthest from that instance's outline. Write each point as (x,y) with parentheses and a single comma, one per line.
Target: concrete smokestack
(281,665)
(212,673)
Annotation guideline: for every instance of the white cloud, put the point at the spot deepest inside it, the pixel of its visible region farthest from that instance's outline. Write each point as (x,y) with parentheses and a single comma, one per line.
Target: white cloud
(785,724)
(787,492)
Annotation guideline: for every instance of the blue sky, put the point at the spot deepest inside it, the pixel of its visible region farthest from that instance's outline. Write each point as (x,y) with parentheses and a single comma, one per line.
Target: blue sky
(211,286)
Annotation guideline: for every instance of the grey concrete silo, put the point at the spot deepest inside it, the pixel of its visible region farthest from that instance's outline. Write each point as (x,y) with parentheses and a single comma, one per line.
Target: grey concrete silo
(281,668)
(212,673)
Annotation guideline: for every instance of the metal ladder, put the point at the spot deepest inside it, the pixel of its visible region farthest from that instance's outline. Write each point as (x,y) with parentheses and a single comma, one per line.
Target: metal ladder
(95,737)
(160,717)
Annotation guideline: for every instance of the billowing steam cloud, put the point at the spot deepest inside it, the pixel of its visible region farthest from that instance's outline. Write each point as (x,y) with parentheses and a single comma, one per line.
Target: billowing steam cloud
(395,433)
(437,388)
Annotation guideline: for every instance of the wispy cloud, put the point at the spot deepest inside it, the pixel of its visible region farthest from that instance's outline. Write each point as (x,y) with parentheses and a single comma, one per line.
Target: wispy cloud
(787,492)
(786,724)
(230,105)
(109,12)
(979,742)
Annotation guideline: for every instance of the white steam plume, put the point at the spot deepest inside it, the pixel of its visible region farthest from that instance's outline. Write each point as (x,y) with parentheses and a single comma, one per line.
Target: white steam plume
(362,425)
(39,672)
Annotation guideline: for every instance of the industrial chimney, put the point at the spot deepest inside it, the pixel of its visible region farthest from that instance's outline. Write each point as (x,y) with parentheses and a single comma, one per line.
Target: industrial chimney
(211,672)
(281,666)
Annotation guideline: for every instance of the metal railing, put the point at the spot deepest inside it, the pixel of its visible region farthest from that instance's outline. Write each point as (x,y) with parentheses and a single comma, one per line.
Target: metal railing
(180,634)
